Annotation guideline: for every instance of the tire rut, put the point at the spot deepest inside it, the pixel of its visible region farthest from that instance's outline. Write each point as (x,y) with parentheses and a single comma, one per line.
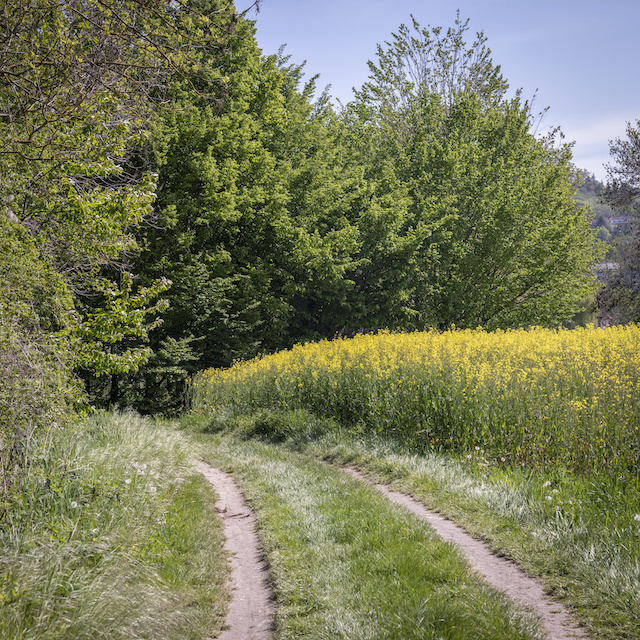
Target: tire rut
(500,573)
(251,611)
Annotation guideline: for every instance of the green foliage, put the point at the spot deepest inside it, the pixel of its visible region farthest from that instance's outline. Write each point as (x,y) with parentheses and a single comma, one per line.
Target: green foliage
(36,388)
(623,186)
(422,62)
(79,80)
(620,299)
(252,228)
(590,194)
(106,333)
(486,232)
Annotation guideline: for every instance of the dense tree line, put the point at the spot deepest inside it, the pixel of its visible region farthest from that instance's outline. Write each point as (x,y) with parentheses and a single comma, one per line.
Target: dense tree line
(184,200)
(80,82)
(427,202)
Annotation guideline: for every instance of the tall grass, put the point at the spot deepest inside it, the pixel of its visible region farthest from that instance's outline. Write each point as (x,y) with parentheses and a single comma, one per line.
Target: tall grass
(532,397)
(112,536)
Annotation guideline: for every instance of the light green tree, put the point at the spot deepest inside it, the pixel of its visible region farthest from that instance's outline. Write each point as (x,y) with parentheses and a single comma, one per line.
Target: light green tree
(486,231)
(79,82)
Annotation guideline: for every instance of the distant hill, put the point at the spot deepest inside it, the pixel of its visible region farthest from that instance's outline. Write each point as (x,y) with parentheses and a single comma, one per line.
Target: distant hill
(589,193)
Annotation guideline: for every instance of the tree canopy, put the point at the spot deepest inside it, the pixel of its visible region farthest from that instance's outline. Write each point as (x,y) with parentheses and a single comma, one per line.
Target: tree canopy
(493,235)
(80,81)
(620,298)
(197,204)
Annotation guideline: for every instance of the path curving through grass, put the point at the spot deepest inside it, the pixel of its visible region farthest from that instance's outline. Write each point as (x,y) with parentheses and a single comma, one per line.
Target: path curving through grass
(499,572)
(348,562)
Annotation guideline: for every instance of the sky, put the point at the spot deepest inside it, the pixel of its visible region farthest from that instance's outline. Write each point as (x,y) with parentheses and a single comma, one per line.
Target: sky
(578,58)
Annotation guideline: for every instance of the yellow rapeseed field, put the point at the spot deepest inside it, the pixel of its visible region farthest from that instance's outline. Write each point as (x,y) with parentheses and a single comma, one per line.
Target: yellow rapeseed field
(533,396)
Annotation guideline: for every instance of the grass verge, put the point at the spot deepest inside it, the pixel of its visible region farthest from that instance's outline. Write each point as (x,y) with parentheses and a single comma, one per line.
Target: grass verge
(114,536)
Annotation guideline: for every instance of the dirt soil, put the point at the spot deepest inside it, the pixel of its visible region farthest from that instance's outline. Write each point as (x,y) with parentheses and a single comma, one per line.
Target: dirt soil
(251,612)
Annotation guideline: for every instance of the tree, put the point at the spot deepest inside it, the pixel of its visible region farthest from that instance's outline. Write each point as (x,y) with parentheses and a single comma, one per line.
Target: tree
(423,62)
(623,177)
(79,83)
(486,231)
(36,385)
(251,222)
(620,298)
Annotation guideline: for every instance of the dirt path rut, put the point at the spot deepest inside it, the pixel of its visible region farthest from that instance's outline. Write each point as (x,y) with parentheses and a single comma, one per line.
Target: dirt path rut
(251,610)
(499,572)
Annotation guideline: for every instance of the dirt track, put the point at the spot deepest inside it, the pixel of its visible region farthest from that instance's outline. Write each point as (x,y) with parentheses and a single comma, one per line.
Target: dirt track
(499,572)
(252,610)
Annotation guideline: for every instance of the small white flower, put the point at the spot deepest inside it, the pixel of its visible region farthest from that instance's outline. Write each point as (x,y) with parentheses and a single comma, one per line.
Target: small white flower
(637,517)
(94,531)
(127,481)
(152,489)
(547,483)
(74,504)
(549,498)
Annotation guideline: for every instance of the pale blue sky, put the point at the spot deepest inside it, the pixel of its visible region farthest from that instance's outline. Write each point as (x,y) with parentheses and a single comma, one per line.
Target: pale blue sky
(580,58)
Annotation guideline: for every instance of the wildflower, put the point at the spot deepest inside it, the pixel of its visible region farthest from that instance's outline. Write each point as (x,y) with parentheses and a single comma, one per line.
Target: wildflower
(74,504)
(127,481)
(547,483)
(637,517)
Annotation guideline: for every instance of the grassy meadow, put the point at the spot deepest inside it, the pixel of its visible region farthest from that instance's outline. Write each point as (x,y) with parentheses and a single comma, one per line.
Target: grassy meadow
(347,564)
